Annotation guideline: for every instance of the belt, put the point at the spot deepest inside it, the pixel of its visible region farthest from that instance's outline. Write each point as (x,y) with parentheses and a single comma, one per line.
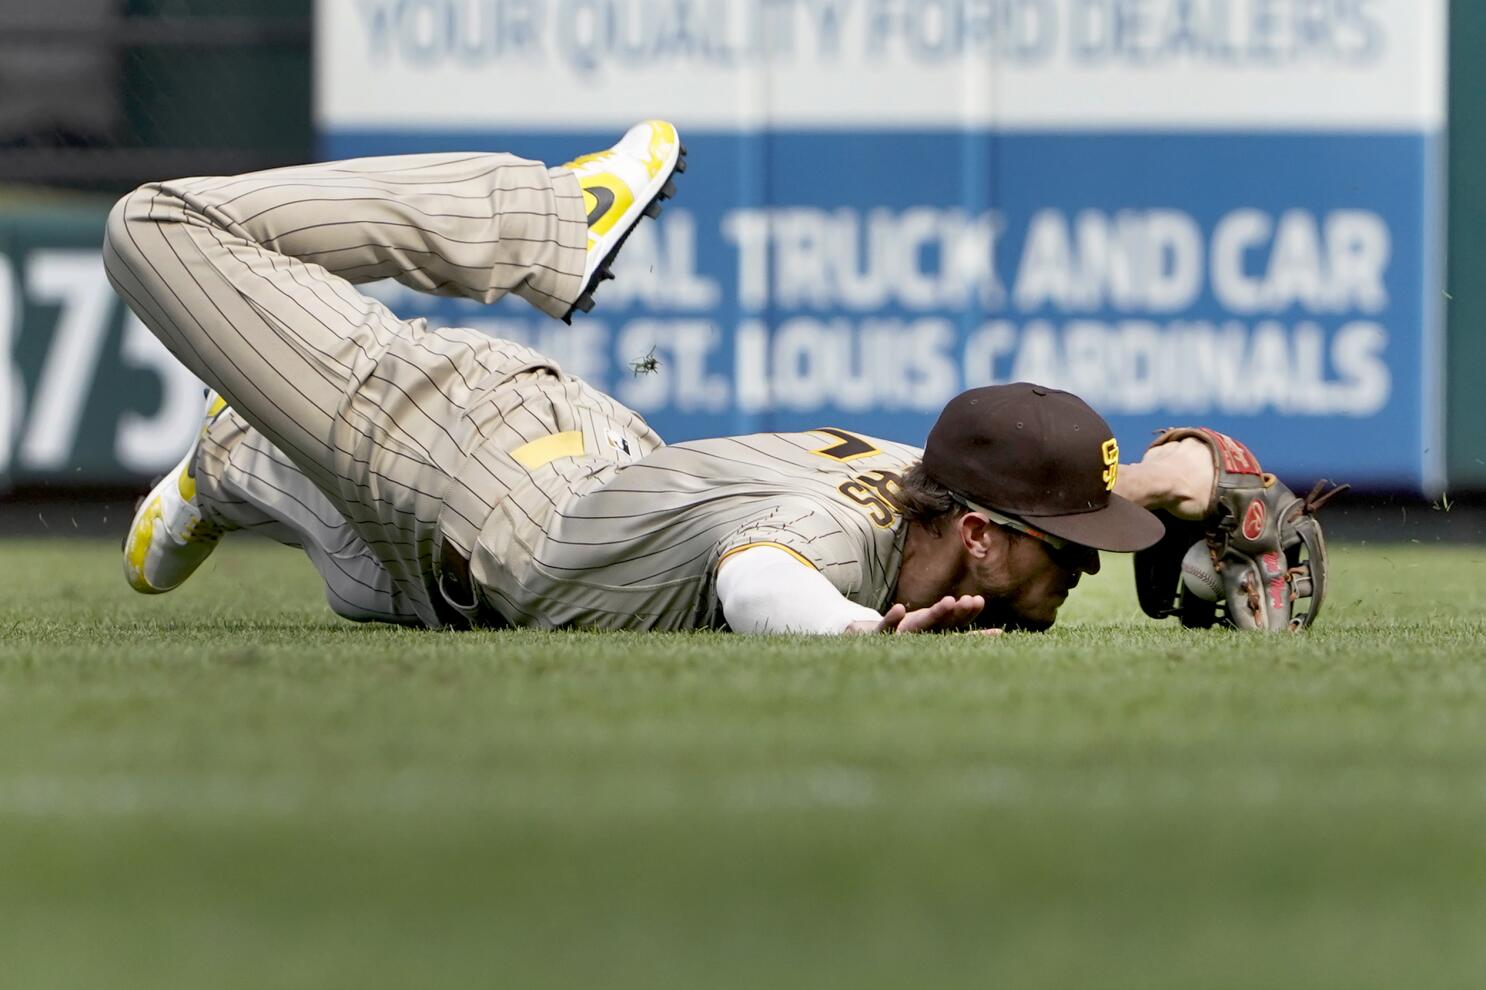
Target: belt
(458,601)
(459,604)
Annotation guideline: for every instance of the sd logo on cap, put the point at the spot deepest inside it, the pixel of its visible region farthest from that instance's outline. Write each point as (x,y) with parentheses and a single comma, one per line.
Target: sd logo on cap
(1040,455)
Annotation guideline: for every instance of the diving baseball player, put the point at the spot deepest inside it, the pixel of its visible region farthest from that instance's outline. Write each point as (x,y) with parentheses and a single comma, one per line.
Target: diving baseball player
(441,477)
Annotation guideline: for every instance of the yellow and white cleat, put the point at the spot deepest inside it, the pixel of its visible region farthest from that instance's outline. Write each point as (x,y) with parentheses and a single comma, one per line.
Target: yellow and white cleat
(620,186)
(169,537)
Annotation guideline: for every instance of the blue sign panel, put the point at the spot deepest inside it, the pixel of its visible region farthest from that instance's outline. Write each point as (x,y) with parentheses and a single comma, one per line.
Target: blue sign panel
(1232,223)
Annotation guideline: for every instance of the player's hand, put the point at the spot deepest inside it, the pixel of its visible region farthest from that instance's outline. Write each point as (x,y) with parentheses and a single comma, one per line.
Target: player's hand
(1177,477)
(946,614)
(1192,474)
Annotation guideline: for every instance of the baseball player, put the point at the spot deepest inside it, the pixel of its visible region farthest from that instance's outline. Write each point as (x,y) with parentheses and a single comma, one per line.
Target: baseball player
(441,477)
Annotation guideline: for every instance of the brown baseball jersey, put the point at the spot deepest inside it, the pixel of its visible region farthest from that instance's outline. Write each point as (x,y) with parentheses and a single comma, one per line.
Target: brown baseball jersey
(637,546)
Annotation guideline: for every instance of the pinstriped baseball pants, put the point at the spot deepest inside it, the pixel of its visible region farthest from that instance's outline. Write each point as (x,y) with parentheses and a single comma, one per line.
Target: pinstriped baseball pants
(248,280)
(244,482)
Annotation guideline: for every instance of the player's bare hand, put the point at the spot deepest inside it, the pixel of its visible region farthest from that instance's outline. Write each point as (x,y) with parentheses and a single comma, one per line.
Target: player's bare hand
(1177,477)
(1192,476)
(946,614)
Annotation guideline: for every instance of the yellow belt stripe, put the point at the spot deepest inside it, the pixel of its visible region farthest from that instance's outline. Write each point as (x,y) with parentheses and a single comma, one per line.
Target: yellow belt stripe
(548,449)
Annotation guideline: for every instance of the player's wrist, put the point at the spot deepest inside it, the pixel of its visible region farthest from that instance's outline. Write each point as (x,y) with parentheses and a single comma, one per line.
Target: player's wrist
(1175,477)
(1146,483)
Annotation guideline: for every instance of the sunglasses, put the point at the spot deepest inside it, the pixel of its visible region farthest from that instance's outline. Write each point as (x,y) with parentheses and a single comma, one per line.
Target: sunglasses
(1056,543)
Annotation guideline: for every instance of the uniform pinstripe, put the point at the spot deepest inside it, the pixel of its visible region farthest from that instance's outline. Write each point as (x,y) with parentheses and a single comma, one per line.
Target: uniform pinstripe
(369,440)
(597,543)
(248,280)
(637,546)
(246,483)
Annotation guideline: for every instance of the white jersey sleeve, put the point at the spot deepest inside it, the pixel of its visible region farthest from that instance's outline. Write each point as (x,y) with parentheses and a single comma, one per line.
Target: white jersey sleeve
(766,590)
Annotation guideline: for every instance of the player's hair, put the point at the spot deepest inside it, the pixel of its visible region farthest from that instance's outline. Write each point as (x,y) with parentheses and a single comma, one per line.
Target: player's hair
(923,500)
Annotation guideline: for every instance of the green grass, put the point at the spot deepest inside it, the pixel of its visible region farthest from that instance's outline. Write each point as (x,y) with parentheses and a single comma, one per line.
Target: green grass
(228,787)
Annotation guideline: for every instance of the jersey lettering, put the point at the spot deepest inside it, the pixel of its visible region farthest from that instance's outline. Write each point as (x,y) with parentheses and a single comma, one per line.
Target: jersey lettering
(873,491)
(849,447)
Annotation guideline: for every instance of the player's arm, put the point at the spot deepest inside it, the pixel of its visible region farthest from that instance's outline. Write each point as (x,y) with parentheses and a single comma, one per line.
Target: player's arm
(766,589)
(1178,478)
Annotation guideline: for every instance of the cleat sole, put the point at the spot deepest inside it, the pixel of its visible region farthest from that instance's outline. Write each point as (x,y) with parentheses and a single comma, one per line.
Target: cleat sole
(605,272)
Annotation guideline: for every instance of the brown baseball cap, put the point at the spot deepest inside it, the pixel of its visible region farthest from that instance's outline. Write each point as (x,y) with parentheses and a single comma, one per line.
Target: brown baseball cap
(1042,456)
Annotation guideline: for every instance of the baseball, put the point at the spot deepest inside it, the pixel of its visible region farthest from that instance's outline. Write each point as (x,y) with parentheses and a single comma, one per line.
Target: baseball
(1198,574)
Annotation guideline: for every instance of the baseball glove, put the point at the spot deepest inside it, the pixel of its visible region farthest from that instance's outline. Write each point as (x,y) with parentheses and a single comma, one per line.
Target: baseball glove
(1264,543)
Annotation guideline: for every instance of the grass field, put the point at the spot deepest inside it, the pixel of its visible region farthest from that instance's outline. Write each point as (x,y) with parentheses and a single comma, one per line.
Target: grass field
(227,787)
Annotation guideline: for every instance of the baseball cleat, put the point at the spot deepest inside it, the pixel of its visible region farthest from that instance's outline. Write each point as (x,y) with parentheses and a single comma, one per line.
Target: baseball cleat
(621,185)
(170,536)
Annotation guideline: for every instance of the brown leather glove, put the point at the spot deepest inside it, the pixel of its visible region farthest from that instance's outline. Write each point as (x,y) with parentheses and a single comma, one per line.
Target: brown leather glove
(1264,543)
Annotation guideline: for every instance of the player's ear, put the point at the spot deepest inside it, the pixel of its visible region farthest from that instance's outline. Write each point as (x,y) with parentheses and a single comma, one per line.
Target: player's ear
(978,535)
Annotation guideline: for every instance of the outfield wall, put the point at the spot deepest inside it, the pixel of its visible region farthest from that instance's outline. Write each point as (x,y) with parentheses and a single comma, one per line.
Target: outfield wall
(1225,211)
(1466,410)
(88,396)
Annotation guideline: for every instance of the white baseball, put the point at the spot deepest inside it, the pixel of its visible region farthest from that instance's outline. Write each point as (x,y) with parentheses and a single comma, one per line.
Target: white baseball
(1199,575)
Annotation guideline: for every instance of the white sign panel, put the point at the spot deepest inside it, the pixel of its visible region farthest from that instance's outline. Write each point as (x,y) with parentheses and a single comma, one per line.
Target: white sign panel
(570,64)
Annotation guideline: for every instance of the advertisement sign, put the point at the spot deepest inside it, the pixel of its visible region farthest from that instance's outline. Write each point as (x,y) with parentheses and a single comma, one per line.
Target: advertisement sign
(88,396)
(1222,212)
